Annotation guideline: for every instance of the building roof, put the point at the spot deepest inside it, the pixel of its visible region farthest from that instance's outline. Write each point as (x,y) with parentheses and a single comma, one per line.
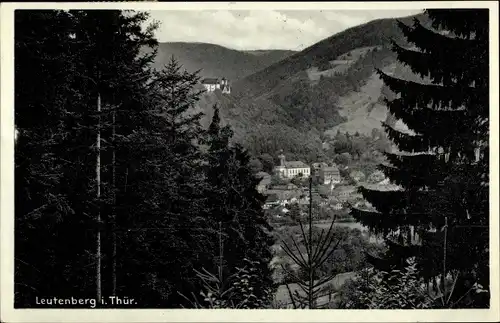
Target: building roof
(320,165)
(283,195)
(289,186)
(295,164)
(331,169)
(346,188)
(272,198)
(210,81)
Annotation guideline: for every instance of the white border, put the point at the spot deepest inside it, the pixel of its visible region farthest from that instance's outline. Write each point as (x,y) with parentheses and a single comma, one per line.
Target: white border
(8,314)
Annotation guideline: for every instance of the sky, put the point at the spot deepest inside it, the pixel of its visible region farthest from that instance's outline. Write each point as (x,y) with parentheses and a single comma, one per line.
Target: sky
(262,29)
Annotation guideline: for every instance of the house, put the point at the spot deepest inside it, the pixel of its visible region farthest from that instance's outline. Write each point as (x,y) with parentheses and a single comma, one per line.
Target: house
(344,193)
(335,203)
(291,169)
(317,195)
(337,206)
(271,201)
(212,84)
(284,197)
(317,166)
(329,175)
(265,181)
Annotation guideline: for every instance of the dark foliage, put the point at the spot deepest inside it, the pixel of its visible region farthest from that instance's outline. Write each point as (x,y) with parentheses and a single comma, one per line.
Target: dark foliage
(444,196)
(235,205)
(138,204)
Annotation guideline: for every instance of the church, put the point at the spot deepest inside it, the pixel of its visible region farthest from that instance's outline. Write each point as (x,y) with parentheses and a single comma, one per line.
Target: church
(291,169)
(212,84)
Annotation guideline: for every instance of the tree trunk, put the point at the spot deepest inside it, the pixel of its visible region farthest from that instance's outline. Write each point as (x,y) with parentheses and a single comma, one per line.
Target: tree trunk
(113,234)
(98,183)
(309,257)
(444,256)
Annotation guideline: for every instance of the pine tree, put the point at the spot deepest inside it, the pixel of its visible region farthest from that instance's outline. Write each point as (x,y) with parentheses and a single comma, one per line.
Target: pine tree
(319,248)
(162,228)
(112,70)
(442,169)
(77,58)
(43,95)
(234,203)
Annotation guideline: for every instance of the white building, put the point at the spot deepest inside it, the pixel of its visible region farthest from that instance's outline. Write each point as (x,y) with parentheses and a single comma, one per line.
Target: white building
(291,169)
(330,175)
(212,84)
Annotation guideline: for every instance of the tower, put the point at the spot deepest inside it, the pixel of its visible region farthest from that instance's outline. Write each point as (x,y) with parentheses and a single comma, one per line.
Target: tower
(280,169)
(282,159)
(225,86)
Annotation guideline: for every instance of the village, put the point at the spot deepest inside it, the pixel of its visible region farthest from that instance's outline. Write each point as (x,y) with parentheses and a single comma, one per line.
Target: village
(334,190)
(288,188)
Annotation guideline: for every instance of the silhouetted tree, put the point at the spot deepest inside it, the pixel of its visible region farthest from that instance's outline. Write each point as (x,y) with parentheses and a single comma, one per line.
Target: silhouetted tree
(445,186)
(234,202)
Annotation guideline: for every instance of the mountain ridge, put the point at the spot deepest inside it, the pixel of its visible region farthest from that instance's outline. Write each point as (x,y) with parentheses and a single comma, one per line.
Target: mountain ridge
(295,104)
(372,33)
(215,60)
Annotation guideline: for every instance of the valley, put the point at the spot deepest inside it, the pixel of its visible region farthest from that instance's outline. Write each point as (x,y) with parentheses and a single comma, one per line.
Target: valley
(325,105)
(298,101)
(305,105)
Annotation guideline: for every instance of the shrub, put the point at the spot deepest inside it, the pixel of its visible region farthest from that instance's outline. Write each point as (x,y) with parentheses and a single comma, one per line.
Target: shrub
(405,289)
(235,291)
(381,290)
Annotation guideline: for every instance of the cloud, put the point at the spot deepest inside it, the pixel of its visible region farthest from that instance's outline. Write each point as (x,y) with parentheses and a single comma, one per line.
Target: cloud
(344,19)
(260,29)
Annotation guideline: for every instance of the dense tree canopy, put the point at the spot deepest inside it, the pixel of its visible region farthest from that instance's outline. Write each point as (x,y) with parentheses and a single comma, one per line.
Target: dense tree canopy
(234,203)
(113,196)
(443,168)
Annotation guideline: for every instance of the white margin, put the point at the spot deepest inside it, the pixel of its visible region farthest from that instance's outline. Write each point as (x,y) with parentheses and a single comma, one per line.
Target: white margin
(9,314)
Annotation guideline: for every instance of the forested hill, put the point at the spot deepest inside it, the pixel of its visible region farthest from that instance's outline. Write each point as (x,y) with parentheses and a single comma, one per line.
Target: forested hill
(218,61)
(332,85)
(374,33)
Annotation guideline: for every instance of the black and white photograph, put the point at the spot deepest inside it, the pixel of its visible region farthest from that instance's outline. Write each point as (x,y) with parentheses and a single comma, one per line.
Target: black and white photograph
(262,158)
